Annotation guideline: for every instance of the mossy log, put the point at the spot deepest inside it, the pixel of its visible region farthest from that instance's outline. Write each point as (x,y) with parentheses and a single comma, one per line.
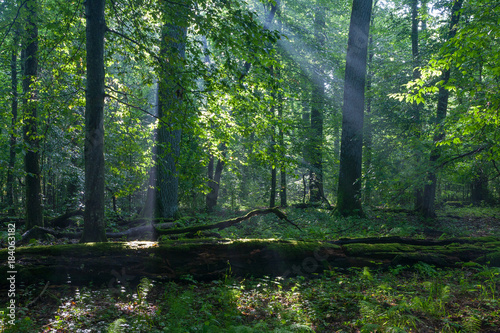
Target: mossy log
(204,259)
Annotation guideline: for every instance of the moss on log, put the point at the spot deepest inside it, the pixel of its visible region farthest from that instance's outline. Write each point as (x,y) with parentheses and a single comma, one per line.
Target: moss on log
(108,263)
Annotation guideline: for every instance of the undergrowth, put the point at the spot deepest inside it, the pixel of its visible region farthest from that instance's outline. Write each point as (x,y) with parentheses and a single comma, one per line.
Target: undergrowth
(421,298)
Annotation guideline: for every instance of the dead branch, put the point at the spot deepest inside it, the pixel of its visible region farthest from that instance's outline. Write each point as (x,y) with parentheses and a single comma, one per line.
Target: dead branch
(228,223)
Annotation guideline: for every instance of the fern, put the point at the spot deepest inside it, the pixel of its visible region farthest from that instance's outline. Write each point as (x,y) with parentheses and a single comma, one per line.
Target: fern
(118,326)
(143,289)
(472,324)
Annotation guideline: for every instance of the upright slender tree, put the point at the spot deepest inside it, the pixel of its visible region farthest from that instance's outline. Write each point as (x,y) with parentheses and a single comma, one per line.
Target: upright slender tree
(94,224)
(368,127)
(349,189)
(214,178)
(13,139)
(34,208)
(428,203)
(417,109)
(317,105)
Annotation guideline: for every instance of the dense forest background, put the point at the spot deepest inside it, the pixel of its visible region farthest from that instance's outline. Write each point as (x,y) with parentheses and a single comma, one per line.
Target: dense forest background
(262,165)
(229,104)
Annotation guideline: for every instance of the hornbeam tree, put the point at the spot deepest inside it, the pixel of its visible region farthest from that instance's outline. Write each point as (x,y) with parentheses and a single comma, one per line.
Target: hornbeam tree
(170,107)
(94,224)
(34,208)
(349,188)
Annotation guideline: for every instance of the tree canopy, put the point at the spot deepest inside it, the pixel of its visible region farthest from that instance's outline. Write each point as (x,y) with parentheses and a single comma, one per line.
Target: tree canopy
(206,101)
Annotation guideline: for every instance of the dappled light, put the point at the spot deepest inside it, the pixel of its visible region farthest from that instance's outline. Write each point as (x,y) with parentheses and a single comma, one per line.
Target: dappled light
(239,166)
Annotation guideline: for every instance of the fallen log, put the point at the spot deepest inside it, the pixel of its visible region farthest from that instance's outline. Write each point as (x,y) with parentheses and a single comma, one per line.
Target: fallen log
(204,259)
(227,223)
(62,221)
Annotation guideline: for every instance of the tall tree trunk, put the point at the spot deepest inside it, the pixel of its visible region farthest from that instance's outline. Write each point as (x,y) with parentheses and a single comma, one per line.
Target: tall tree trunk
(170,109)
(34,208)
(13,140)
(272,201)
(368,135)
(272,194)
(94,224)
(417,109)
(428,203)
(281,132)
(306,125)
(283,198)
(349,192)
(317,105)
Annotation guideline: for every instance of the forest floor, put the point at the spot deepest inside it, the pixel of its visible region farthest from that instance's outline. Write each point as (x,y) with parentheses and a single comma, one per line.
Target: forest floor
(420,298)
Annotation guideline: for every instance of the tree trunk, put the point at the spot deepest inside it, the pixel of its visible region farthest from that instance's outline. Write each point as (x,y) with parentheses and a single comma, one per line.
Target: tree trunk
(306,123)
(214,181)
(417,109)
(94,224)
(283,198)
(428,204)
(211,259)
(272,201)
(13,140)
(368,130)
(34,208)
(479,187)
(170,110)
(349,190)
(272,149)
(317,105)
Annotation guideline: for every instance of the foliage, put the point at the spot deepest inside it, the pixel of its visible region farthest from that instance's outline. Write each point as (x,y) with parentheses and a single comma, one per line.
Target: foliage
(402,300)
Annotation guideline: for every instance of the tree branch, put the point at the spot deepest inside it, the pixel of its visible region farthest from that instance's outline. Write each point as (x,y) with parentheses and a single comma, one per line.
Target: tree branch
(228,223)
(132,41)
(130,105)
(475,151)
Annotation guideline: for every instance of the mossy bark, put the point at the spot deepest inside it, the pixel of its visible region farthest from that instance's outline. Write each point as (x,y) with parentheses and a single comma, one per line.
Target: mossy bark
(205,259)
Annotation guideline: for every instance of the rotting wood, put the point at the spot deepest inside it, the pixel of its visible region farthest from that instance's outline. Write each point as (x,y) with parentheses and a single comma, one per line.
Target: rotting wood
(206,259)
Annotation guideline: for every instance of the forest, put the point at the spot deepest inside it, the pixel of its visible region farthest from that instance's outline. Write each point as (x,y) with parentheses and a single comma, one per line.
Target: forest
(250,165)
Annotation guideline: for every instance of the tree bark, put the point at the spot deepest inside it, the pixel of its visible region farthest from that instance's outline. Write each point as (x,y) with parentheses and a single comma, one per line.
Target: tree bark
(94,224)
(349,189)
(283,196)
(214,181)
(272,149)
(428,204)
(34,208)
(170,109)
(317,105)
(368,128)
(13,139)
(479,187)
(417,109)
